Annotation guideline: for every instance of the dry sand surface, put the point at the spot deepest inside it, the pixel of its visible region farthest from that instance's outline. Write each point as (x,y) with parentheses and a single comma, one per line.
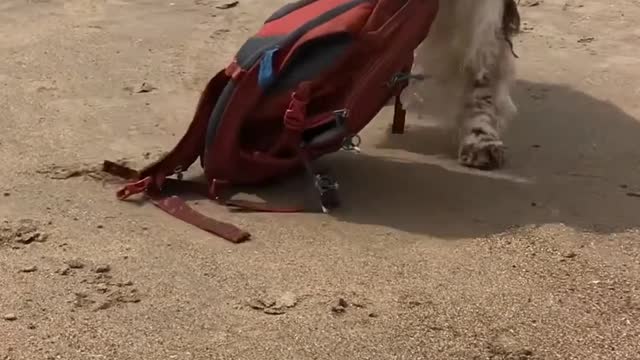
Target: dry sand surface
(425,260)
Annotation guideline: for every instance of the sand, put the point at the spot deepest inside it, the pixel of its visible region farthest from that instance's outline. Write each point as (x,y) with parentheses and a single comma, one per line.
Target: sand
(426,260)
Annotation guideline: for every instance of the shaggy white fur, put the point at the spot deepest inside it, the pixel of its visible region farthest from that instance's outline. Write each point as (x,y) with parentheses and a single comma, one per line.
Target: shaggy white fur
(470,70)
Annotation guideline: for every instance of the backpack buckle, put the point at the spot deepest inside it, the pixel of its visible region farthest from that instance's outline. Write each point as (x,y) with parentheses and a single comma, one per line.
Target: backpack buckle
(134,188)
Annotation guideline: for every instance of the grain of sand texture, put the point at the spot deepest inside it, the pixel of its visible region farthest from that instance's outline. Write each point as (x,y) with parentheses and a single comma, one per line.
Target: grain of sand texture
(426,260)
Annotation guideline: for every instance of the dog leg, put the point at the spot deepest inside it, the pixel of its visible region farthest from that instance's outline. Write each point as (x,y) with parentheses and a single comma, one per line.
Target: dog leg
(483,116)
(487,107)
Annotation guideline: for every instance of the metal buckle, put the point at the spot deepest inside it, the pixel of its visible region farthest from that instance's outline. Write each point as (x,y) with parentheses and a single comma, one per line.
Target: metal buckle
(341,115)
(327,187)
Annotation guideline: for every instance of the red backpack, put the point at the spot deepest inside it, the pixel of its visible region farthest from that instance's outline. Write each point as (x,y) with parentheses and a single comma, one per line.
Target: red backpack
(316,73)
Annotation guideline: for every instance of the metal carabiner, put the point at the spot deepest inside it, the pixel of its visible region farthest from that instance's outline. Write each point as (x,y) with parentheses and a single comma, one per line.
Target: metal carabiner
(350,145)
(179,173)
(328,190)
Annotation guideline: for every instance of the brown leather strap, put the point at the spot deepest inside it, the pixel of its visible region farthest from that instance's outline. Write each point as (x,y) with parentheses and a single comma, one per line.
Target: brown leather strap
(399,116)
(399,113)
(120,171)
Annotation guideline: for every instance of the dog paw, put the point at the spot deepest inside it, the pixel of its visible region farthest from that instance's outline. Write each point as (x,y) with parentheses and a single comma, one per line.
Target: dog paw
(482,151)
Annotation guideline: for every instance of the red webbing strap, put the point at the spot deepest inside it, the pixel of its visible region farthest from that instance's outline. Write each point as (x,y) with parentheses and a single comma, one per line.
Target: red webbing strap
(245,205)
(217,192)
(178,186)
(178,208)
(294,120)
(173,205)
(254,206)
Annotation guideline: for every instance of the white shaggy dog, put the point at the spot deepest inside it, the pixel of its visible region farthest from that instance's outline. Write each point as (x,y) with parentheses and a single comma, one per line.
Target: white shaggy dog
(469,63)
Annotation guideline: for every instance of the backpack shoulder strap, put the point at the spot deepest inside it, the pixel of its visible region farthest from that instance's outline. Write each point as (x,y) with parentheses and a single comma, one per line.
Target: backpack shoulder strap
(153,182)
(191,144)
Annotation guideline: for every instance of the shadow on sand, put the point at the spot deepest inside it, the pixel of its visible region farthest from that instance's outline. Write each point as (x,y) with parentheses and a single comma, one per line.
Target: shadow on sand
(573,159)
